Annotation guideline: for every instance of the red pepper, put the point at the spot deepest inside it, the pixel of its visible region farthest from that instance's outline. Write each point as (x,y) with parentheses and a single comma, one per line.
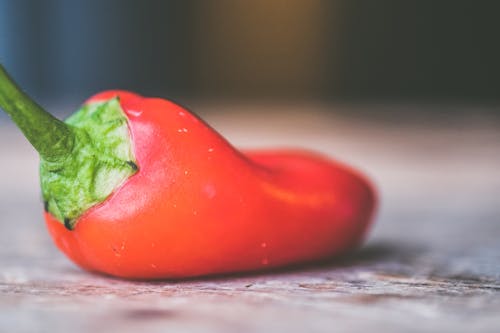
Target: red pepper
(197,206)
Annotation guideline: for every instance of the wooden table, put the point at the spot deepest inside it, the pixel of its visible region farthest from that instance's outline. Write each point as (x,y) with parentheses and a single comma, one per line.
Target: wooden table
(432,262)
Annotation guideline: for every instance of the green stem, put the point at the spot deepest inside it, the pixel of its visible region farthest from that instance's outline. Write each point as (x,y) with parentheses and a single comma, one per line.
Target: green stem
(52,138)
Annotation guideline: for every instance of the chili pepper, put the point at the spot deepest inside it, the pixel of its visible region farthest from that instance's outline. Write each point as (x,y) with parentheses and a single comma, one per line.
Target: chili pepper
(142,188)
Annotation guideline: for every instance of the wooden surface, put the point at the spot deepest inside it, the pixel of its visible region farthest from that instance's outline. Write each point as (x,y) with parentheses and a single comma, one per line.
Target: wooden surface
(431,263)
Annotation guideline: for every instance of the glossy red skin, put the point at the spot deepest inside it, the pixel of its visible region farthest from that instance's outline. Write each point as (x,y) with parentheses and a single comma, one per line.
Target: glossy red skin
(199,207)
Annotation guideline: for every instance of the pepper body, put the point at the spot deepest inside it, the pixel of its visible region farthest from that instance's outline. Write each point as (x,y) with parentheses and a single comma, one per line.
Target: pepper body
(197,206)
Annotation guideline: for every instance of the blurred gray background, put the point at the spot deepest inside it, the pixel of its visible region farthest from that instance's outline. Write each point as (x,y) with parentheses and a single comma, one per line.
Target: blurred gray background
(342,50)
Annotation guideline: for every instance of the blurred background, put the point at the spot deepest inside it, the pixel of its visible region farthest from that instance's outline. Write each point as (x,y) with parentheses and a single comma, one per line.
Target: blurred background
(341,50)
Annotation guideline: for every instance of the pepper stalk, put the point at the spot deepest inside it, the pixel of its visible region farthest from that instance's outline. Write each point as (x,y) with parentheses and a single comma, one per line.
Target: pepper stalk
(52,138)
(82,160)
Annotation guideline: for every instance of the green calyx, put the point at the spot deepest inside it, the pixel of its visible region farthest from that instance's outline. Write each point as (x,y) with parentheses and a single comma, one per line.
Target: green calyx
(101,160)
(83,160)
